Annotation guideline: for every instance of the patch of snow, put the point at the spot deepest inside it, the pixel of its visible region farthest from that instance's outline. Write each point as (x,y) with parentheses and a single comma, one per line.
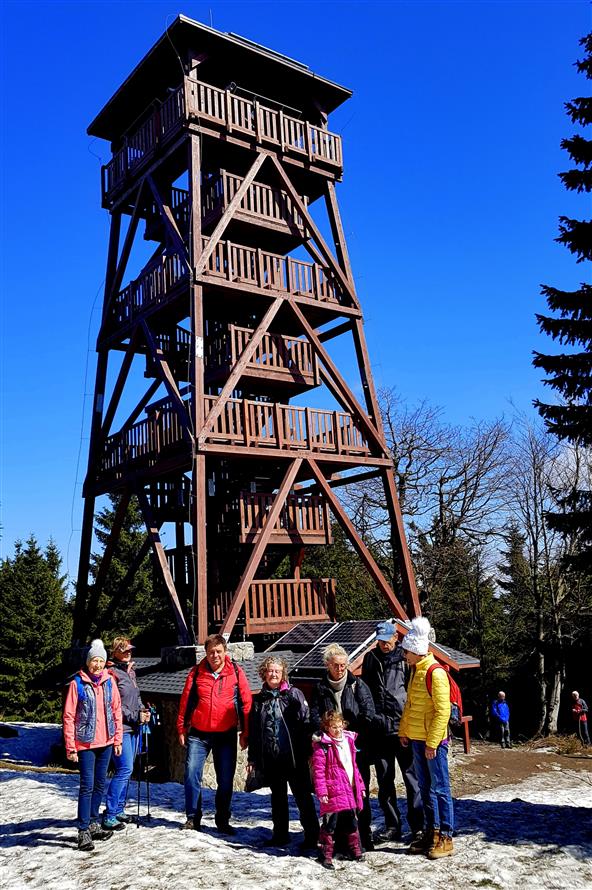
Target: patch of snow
(33,743)
(533,834)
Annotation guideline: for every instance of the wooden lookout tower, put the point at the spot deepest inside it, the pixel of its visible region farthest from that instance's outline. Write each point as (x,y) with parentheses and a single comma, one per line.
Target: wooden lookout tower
(213,351)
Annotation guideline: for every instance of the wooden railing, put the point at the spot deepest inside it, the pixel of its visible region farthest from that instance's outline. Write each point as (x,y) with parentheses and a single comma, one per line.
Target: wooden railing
(170,499)
(304,518)
(277,354)
(276,605)
(271,271)
(195,99)
(260,201)
(242,422)
(151,288)
(287,427)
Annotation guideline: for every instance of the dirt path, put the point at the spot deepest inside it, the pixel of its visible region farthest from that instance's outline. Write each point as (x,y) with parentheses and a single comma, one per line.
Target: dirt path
(489,766)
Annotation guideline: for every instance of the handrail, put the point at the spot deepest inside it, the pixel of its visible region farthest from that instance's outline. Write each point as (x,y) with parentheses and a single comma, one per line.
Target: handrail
(196,99)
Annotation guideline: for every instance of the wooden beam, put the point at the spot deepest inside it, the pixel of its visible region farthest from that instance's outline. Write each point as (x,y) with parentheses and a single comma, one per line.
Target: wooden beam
(229,213)
(361,549)
(198,506)
(337,231)
(152,528)
(119,272)
(312,227)
(336,331)
(400,540)
(169,222)
(238,369)
(119,384)
(140,406)
(168,379)
(261,541)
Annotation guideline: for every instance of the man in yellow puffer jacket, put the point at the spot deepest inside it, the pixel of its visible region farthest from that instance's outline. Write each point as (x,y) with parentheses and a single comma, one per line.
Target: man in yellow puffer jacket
(424,724)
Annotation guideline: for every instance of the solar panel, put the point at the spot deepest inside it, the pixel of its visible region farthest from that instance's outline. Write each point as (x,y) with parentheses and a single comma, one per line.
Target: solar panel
(302,637)
(352,635)
(461,658)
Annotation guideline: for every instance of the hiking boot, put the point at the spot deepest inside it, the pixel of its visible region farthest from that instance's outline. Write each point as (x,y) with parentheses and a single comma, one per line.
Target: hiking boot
(328,863)
(442,847)
(98,833)
(190,825)
(387,834)
(276,840)
(123,817)
(226,828)
(85,840)
(112,823)
(421,843)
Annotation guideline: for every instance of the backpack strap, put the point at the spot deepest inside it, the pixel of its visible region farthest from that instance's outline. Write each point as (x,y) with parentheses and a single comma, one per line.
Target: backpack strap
(429,673)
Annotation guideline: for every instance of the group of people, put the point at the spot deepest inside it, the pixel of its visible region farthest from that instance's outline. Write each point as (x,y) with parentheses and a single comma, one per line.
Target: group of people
(103,715)
(384,717)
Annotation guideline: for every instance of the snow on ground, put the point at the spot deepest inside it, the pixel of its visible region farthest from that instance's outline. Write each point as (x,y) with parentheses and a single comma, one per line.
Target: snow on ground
(536,834)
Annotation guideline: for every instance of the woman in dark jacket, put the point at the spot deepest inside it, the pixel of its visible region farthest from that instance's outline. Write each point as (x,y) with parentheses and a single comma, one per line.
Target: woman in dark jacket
(122,670)
(279,747)
(339,690)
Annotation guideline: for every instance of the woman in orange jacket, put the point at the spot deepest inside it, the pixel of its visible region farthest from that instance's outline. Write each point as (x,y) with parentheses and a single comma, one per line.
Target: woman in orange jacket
(92,730)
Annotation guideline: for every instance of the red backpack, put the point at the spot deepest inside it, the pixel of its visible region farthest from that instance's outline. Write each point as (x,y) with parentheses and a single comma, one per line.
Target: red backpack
(456,707)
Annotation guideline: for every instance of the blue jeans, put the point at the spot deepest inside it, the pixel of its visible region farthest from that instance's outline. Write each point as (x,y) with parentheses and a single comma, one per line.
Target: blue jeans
(223,748)
(124,767)
(434,785)
(93,764)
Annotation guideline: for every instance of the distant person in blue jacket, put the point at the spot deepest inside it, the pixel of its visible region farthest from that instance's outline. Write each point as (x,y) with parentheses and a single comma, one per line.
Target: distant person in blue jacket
(500,711)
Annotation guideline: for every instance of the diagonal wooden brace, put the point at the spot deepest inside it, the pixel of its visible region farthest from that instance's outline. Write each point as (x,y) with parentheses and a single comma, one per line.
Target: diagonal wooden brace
(168,379)
(261,541)
(169,223)
(113,540)
(119,384)
(346,394)
(229,213)
(154,535)
(236,373)
(312,227)
(357,542)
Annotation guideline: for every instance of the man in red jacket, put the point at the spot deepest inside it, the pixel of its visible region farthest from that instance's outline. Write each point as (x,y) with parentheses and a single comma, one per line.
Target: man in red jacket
(215,704)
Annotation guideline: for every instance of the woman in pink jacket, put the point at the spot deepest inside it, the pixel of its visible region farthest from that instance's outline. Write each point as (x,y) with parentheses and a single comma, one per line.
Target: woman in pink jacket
(338,785)
(92,729)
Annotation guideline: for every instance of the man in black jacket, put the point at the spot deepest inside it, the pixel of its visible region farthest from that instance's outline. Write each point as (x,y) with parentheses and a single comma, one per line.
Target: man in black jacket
(384,672)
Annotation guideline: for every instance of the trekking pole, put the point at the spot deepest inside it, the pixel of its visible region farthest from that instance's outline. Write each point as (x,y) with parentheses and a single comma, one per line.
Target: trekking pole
(147,778)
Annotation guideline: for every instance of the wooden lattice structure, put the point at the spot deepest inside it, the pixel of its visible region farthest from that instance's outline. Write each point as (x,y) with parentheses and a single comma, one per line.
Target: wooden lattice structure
(220,147)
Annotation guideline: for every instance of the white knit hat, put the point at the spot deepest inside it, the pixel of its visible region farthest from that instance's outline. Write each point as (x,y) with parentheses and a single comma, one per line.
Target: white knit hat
(417,640)
(97,650)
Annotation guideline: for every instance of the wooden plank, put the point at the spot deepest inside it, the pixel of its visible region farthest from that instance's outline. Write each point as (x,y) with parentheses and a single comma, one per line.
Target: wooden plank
(229,212)
(357,542)
(259,547)
(183,635)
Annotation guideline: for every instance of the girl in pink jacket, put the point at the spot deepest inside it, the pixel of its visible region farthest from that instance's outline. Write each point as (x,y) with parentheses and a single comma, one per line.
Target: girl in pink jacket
(338,785)
(92,729)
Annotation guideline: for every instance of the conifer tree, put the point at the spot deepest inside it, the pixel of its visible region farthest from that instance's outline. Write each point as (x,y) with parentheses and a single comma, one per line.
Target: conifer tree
(35,627)
(570,373)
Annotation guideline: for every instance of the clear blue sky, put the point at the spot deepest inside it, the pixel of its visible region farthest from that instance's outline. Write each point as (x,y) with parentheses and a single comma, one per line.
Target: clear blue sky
(450,201)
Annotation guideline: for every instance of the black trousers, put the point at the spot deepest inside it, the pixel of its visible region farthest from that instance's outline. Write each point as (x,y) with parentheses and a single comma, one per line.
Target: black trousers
(299,781)
(385,755)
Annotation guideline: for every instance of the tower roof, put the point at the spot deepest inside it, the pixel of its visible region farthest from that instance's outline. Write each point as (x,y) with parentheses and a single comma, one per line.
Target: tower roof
(229,58)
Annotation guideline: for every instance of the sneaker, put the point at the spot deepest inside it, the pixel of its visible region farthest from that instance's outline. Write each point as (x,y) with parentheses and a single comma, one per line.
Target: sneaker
(112,823)
(98,833)
(190,825)
(85,840)
(421,843)
(442,847)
